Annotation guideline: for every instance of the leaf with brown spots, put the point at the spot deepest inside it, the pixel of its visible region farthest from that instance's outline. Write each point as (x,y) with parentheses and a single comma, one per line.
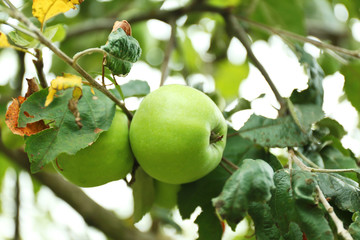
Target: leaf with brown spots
(11,119)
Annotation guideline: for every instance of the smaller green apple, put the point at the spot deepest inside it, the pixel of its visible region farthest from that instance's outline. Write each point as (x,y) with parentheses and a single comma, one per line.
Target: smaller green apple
(107,159)
(178,134)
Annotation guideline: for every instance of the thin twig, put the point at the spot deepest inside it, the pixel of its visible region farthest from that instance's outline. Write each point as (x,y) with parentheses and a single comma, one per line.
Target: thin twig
(338,223)
(222,164)
(19,16)
(322,45)
(238,31)
(320,170)
(307,160)
(169,49)
(78,55)
(229,163)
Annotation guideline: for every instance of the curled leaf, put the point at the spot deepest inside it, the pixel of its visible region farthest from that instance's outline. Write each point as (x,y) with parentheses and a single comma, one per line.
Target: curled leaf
(123,51)
(46,9)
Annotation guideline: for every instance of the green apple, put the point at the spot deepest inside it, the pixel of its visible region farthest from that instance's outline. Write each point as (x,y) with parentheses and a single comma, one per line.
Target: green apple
(178,134)
(107,159)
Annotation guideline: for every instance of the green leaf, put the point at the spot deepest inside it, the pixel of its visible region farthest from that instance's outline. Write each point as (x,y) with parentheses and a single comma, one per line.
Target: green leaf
(4,165)
(251,182)
(280,132)
(135,88)
(144,194)
(287,15)
(226,3)
(306,115)
(342,191)
(294,200)
(335,159)
(294,233)
(96,112)
(314,94)
(265,228)
(209,224)
(242,104)
(351,73)
(123,51)
(228,78)
(55,33)
(22,41)
(354,228)
(334,127)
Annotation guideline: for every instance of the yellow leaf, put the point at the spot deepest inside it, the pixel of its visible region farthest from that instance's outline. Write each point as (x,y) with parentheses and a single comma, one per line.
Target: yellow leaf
(4,41)
(62,83)
(46,9)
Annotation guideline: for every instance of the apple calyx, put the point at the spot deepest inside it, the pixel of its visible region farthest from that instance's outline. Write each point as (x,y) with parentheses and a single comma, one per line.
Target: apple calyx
(215,137)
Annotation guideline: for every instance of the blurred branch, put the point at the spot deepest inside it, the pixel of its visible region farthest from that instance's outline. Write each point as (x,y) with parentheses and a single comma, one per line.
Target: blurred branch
(162,15)
(17,208)
(319,44)
(238,31)
(169,49)
(93,214)
(39,66)
(20,73)
(14,13)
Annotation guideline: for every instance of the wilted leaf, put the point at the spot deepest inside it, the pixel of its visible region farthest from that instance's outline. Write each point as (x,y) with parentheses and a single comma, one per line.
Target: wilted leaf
(252,182)
(62,83)
(46,9)
(280,132)
(123,51)
(65,136)
(4,43)
(295,200)
(144,194)
(12,115)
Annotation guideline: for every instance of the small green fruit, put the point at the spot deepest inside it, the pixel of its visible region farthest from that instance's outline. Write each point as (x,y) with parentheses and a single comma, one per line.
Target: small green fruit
(178,134)
(108,159)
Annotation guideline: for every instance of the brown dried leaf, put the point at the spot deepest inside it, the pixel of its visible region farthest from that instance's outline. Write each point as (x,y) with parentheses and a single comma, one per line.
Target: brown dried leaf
(11,120)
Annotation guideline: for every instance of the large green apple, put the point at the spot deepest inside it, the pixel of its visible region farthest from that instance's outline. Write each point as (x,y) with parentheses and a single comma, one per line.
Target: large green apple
(178,134)
(107,159)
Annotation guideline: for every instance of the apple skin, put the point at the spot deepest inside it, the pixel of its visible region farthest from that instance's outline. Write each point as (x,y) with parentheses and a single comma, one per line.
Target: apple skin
(170,134)
(107,159)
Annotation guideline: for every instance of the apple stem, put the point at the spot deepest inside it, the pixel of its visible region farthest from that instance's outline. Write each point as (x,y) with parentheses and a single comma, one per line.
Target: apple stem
(215,137)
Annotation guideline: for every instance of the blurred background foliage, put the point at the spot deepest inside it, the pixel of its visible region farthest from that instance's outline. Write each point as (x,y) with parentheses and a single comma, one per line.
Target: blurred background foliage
(203,54)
